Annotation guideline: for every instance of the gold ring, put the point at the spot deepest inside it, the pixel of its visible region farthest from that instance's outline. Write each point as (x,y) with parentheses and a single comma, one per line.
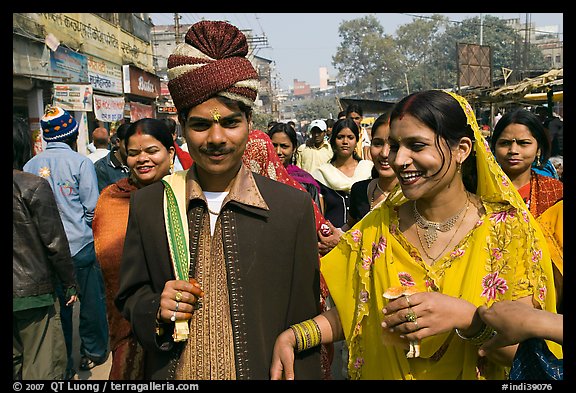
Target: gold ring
(178,296)
(408,300)
(411,317)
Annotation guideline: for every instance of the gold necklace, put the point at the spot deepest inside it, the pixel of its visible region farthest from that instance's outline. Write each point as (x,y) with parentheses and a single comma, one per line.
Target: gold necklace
(449,241)
(374,193)
(431,227)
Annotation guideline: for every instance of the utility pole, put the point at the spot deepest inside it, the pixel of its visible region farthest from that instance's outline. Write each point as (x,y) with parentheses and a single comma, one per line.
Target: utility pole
(177,27)
(481,29)
(526,47)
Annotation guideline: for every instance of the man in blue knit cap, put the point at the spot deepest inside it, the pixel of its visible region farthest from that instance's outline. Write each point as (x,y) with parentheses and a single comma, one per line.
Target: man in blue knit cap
(73,180)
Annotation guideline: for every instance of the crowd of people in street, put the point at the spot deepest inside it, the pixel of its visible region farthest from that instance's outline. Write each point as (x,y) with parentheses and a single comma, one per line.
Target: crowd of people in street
(266,254)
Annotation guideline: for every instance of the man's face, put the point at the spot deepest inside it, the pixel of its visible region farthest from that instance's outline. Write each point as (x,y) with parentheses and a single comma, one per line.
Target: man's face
(216,136)
(317,135)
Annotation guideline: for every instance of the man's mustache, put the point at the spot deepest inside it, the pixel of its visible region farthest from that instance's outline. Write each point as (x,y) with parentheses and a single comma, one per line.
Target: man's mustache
(211,150)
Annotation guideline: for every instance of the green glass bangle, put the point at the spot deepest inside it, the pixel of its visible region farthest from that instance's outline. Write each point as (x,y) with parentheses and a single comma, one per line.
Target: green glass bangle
(485,334)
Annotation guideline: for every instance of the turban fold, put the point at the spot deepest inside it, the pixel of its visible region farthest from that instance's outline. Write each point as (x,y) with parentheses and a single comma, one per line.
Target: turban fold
(212,61)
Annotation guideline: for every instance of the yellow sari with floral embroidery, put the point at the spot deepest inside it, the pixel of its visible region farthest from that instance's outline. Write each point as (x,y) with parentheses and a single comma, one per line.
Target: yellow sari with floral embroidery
(504,256)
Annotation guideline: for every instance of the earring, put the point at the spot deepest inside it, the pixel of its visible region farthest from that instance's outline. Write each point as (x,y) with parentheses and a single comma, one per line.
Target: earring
(538,159)
(171,167)
(459,167)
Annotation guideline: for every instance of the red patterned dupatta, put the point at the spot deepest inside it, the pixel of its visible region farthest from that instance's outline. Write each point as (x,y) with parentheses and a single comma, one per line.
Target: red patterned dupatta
(545,191)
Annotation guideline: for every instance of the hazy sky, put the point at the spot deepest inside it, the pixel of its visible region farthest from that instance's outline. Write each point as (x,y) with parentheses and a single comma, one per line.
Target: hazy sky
(301,43)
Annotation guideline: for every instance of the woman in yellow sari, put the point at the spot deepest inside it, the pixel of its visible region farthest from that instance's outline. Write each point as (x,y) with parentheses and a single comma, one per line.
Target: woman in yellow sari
(456,231)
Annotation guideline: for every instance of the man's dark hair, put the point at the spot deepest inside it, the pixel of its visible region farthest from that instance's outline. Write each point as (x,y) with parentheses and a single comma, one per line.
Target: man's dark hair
(21,143)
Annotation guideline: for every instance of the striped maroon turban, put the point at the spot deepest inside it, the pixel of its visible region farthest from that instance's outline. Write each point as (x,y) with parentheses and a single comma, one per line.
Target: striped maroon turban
(211,62)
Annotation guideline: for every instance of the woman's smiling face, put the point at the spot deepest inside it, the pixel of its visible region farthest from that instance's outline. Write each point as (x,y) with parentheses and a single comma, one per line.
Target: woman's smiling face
(416,159)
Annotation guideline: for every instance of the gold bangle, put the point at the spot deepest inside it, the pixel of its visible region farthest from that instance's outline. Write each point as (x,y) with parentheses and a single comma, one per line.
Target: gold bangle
(485,334)
(308,335)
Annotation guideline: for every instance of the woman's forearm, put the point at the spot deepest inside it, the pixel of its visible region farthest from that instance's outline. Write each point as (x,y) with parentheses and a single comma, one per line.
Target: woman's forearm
(330,326)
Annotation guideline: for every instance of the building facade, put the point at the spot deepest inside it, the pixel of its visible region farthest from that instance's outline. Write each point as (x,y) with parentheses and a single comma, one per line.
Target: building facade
(99,67)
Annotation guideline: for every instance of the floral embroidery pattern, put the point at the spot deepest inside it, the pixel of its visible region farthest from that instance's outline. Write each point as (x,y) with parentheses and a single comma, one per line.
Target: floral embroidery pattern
(493,284)
(496,253)
(542,293)
(363,296)
(406,279)
(457,253)
(502,216)
(359,362)
(536,256)
(356,235)
(366,262)
(505,181)
(378,249)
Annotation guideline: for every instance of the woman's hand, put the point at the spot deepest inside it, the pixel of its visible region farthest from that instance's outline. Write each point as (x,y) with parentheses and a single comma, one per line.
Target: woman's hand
(178,300)
(328,240)
(516,321)
(425,314)
(282,366)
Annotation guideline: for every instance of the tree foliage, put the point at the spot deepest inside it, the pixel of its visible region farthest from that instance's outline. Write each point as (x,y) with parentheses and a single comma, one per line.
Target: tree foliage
(423,53)
(362,57)
(318,108)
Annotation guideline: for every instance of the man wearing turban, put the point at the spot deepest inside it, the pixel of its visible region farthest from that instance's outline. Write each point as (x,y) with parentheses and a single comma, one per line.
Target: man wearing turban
(218,259)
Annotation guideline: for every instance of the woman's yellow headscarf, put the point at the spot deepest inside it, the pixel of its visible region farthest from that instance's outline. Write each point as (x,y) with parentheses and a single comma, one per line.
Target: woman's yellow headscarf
(504,257)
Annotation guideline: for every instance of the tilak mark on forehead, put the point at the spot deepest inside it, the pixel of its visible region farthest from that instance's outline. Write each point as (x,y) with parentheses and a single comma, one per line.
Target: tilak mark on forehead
(215,114)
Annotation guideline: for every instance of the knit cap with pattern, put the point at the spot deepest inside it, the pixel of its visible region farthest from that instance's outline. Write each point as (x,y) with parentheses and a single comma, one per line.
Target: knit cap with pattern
(57,124)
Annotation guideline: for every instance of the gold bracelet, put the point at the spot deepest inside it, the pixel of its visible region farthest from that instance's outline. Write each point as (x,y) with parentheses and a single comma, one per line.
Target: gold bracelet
(308,335)
(485,334)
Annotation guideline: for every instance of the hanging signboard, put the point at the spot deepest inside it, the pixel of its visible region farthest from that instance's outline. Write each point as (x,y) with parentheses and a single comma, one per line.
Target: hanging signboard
(108,109)
(71,66)
(139,111)
(73,97)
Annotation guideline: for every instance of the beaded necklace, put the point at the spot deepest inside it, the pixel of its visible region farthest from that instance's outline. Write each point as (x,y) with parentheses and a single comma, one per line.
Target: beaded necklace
(451,238)
(432,227)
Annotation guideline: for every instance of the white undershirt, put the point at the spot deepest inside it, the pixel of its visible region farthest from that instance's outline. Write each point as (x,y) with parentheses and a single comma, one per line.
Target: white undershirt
(214,200)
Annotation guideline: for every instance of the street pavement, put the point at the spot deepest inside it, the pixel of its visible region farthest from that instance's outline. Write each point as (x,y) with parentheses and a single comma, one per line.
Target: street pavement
(97,373)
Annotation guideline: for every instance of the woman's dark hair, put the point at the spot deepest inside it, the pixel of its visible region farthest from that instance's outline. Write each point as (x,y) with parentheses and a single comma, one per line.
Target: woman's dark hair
(153,127)
(290,132)
(443,114)
(383,119)
(354,108)
(121,131)
(21,142)
(339,126)
(170,123)
(227,102)
(532,122)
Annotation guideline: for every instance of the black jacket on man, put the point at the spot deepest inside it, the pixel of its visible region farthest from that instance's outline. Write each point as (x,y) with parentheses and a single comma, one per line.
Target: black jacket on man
(276,274)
